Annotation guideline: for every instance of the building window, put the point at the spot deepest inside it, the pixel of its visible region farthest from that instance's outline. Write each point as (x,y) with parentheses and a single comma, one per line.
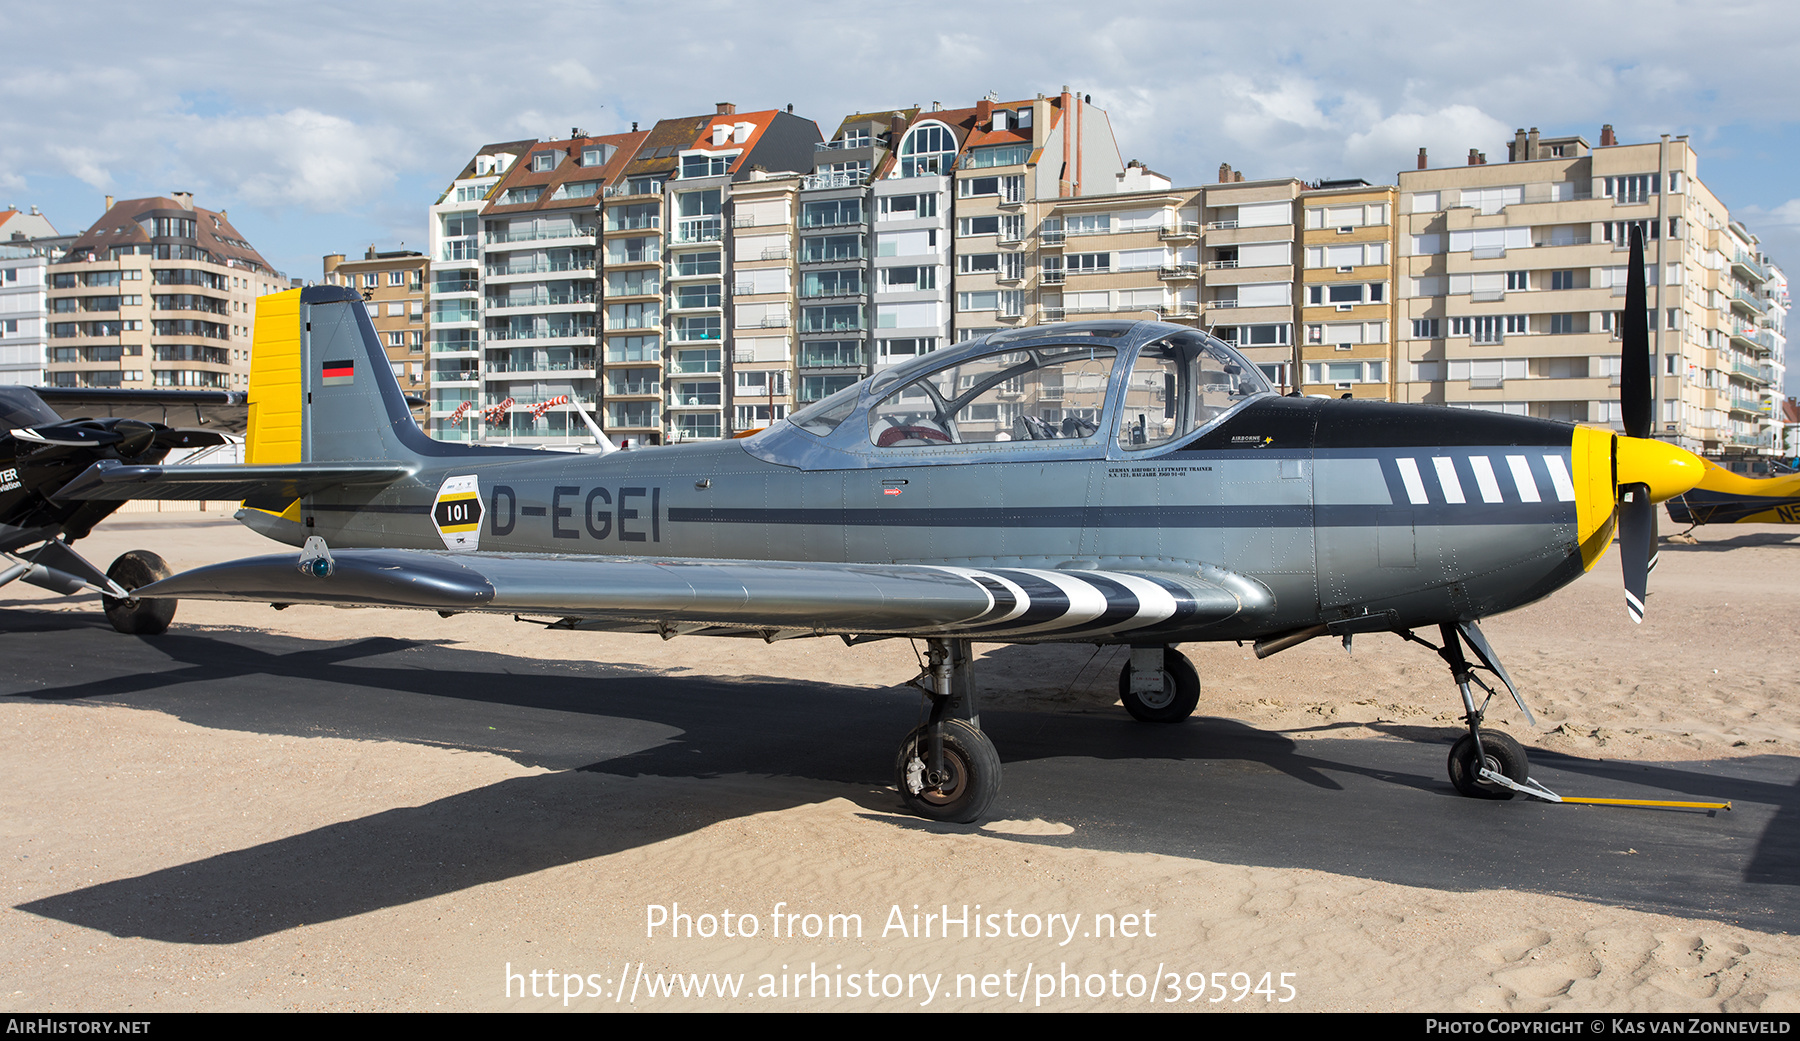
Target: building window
(1562,280)
(927,150)
(706,165)
(1518,281)
(542,161)
(997,155)
(1427,328)
(831,212)
(908,207)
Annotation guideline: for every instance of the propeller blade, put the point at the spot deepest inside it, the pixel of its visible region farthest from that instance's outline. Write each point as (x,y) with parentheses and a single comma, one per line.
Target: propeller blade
(167,438)
(1637,534)
(1636,395)
(68,435)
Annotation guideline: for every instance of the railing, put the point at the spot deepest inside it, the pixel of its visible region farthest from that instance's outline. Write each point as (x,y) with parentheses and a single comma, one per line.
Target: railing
(1051,278)
(699,229)
(835,222)
(648,222)
(1050,236)
(634,256)
(1178,271)
(553,332)
(461,250)
(1221,303)
(1745,261)
(539,267)
(640,387)
(1220,225)
(547,300)
(833,179)
(537,235)
(776,253)
(775,321)
(1217,265)
(621,191)
(1180,230)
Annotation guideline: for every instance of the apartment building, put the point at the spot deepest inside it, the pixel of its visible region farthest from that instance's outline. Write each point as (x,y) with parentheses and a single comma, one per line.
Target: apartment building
(1347,294)
(157,293)
(597,268)
(1515,272)
(454,312)
(392,285)
(540,299)
(763,307)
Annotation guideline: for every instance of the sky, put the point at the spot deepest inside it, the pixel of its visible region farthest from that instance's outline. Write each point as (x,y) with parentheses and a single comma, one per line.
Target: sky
(327,128)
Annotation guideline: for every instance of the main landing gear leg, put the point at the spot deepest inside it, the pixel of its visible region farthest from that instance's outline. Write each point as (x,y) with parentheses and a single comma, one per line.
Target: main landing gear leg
(947,769)
(1159,685)
(1483,764)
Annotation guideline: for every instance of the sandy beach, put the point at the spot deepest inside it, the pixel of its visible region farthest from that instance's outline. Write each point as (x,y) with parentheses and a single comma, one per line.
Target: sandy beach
(97,795)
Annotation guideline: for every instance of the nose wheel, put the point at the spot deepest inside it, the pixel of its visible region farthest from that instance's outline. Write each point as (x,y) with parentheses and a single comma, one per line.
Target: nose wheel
(1496,752)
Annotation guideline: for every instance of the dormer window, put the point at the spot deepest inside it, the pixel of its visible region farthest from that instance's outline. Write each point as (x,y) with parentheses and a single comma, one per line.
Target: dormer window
(543,161)
(704,165)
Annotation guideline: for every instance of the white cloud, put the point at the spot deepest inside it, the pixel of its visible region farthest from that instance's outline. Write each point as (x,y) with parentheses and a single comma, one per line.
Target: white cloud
(1447,134)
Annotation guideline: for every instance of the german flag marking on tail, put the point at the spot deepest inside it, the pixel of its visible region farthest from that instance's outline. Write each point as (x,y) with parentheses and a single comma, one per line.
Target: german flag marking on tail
(457,513)
(338,373)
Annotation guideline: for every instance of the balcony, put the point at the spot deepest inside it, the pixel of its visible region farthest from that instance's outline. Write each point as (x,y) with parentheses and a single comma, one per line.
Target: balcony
(699,229)
(629,189)
(1222,225)
(836,179)
(1050,236)
(1051,277)
(648,222)
(1745,266)
(641,387)
(542,266)
(1178,271)
(1186,229)
(540,235)
(547,332)
(1745,296)
(504,303)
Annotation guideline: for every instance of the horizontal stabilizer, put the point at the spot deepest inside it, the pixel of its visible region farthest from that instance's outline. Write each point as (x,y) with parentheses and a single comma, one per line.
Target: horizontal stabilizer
(110,480)
(915,599)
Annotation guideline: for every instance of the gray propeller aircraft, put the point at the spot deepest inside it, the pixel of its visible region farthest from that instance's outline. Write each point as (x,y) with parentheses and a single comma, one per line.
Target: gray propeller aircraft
(1110,482)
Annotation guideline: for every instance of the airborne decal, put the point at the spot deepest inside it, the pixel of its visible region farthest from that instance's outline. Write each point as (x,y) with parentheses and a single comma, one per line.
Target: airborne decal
(457,513)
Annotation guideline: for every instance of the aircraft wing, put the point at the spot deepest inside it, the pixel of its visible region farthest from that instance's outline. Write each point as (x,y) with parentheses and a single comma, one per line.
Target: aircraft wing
(112,480)
(772,597)
(216,409)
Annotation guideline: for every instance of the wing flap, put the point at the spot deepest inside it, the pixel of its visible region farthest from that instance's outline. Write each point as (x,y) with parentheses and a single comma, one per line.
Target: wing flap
(110,480)
(908,599)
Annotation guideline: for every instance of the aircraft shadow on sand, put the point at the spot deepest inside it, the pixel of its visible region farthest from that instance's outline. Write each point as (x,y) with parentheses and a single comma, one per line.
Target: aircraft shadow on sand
(1210,788)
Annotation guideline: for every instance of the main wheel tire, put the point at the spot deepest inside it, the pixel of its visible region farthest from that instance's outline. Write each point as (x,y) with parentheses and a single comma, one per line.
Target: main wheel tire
(1504,756)
(1175,702)
(138,617)
(971,763)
